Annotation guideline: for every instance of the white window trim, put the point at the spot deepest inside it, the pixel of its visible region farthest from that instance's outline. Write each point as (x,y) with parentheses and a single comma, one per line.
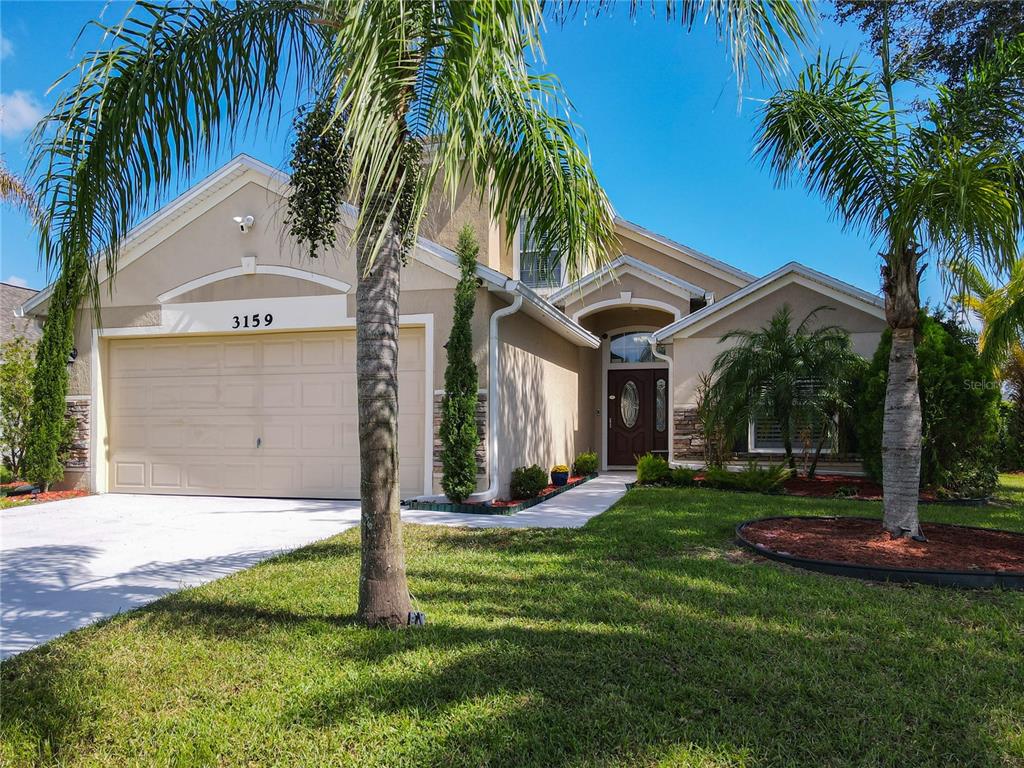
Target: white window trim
(517,268)
(752,448)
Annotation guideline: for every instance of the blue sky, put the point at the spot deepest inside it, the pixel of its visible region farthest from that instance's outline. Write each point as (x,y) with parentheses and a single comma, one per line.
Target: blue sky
(658,106)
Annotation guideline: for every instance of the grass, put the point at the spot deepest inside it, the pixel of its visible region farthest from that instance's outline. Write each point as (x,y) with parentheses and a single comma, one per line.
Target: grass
(1011,488)
(645,638)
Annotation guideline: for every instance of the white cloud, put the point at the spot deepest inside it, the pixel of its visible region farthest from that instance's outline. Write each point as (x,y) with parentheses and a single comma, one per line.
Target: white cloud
(19,112)
(20,282)
(6,47)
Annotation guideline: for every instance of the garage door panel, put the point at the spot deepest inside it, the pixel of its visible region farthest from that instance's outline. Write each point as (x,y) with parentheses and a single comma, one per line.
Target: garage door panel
(165,476)
(184,416)
(239,357)
(130,475)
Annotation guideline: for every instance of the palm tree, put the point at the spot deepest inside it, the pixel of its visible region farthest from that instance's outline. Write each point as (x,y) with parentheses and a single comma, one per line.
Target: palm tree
(782,374)
(14,191)
(999,309)
(453,77)
(949,186)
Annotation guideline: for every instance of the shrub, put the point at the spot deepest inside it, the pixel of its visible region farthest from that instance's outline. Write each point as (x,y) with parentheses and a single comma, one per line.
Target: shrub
(959,409)
(651,470)
(751,479)
(683,478)
(527,482)
(48,422)
(6,476)
(1010,443)
(459,435)
(16,373)
(585,464)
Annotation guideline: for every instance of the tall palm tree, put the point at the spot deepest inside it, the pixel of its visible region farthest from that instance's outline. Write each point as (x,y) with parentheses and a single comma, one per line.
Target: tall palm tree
(949,187)
(172,79)
(781,373)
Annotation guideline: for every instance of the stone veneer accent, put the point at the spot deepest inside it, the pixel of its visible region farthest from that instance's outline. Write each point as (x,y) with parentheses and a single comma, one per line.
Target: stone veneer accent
(481,428)
(687,440)
(78,409)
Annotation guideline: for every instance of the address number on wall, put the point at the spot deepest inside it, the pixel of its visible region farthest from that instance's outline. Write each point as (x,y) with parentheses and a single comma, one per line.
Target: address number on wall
(255,320)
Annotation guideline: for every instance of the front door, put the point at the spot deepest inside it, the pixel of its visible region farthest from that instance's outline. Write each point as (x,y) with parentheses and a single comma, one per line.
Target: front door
(630,415)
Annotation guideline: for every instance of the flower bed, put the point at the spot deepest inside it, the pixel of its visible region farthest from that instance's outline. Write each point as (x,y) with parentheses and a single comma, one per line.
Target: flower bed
(954,555)
(842,486)
(499,506)
(28,499)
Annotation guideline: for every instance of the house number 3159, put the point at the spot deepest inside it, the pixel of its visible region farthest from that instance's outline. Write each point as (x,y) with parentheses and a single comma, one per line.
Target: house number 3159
(255,320)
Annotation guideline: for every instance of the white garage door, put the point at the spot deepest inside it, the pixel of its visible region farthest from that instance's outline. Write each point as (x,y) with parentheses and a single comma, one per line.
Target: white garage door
(255,415)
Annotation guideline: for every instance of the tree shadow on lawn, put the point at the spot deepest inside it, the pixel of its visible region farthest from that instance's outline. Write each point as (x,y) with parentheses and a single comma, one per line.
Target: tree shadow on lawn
(633,640)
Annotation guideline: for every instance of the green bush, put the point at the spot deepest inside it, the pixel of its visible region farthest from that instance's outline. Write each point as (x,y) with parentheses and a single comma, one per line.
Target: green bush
(458,433)
(16,375)
(751,479)
(1010,442)
(959,409)
(651,470)
(683,478)
(585,464)
(6,475)
(527,482)
(48,423)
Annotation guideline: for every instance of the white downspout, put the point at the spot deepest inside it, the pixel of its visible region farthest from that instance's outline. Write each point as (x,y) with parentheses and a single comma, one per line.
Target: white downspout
(671,397)
(492,393)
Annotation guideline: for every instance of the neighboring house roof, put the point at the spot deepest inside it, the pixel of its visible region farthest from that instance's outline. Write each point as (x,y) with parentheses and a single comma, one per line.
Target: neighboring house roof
(241,170)
(793,272)
(626,265)
(686,254)
(12,322)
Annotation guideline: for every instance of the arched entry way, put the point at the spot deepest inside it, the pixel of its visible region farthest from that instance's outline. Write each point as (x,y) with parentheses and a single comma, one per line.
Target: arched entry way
(632,388)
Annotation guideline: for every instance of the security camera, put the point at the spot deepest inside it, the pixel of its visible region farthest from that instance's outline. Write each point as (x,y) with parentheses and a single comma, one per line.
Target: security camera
(244,223)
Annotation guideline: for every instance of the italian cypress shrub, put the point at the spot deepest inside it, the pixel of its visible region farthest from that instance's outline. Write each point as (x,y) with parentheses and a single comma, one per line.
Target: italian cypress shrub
(459,436)
(49,426)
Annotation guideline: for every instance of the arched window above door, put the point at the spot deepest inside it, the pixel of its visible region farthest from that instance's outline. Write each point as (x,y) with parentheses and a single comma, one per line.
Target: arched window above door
(632,347)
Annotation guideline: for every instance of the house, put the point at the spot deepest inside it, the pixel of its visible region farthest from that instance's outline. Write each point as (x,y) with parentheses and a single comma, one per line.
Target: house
(12,322)
(224,360)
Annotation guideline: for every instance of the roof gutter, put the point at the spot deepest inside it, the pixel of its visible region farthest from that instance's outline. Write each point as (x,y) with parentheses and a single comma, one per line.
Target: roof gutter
(511,286)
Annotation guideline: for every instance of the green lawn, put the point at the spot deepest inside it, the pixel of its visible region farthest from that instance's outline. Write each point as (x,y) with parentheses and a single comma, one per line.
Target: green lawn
(645,638)
(1011,489)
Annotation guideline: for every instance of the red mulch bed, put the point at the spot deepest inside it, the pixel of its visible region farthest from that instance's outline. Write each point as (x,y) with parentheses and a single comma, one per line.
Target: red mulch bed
(863,542)
(829,486)
(27,499)
(546,492)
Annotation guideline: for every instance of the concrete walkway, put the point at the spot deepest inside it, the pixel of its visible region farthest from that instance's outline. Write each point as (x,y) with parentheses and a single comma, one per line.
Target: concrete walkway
(66,564)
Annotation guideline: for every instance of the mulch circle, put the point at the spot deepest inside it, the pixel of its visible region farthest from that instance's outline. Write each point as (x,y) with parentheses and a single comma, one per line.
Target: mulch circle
(860,543)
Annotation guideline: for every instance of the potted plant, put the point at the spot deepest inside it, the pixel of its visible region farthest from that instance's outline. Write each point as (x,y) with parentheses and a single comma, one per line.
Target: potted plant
(559,475)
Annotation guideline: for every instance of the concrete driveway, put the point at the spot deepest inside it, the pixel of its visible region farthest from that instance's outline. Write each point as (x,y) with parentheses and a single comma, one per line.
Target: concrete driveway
(66,564)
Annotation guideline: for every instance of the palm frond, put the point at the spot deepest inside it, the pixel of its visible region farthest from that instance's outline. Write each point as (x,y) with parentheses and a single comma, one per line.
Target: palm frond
(1002,313)
(753,30)
(15,191)
(832,129)
(170,80)
(963,205)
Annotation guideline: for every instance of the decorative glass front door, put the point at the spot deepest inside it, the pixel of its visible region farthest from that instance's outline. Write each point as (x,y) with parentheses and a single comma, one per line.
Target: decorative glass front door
(637,413)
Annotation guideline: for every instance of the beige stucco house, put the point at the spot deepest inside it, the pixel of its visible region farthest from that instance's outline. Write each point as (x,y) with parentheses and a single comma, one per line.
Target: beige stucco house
(224,360)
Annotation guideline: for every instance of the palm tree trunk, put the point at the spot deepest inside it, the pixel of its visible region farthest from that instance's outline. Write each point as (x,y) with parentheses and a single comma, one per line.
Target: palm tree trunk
(787,446)
(901,426)
(383,591)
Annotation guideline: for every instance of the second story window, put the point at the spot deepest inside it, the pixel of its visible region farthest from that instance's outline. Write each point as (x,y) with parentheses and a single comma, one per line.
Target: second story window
(537,268)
